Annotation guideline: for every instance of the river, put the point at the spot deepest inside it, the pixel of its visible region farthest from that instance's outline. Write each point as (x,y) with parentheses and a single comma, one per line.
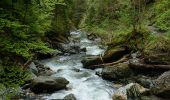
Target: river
(84,83)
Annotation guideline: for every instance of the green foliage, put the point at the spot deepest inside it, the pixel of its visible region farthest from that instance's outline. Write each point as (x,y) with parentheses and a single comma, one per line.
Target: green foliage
(23,26)
(12,76)
(26,49)
(163,21)
(157,44)
(60,21)
(108,18)
(6,93)
(161,18)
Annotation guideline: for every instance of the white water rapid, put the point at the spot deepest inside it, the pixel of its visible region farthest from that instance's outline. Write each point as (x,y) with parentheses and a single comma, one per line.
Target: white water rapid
(84,83)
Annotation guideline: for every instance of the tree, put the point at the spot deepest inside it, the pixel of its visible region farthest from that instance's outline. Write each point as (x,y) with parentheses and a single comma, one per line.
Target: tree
(137,13)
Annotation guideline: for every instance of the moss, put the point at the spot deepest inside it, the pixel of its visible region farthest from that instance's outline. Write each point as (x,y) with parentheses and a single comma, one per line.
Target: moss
(161,18)
(157,44)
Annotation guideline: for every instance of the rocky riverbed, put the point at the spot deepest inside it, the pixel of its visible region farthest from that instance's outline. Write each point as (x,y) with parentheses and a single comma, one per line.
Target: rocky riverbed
(85,71)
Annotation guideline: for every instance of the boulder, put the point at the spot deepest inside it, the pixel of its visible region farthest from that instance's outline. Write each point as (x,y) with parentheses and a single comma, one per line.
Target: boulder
(33,69)
(90,61)
(157,59)
(70,97)
(151,97)
(119,97)
(47,84)
(162,85)
(83,49)
(71,48)
(115,54)
(146,82)
(116,72)
(139,66)
(43,70)
(132,90)
(109,56)
(91,36)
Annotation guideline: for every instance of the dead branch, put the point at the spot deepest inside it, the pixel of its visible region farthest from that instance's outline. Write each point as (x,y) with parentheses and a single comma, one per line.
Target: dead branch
(123,59)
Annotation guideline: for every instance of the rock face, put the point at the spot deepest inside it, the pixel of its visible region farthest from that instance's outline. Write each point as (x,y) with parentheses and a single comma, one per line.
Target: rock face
(116,72)
(132,90)
(46,84)
(70,97)
(162,86)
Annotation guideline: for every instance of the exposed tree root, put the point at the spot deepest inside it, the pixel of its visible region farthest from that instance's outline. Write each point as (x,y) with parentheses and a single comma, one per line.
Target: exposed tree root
(146,66)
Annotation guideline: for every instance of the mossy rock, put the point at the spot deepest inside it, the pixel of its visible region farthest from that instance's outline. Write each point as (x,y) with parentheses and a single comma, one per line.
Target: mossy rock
(114,54)
(116,72)
(162,85)
(159,58)
(47,84)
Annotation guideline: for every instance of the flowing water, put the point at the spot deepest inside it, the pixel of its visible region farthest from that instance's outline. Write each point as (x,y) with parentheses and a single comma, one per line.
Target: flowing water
(84,83)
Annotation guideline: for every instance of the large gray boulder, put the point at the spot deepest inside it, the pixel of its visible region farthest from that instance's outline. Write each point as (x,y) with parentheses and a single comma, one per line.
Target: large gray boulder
(89,62)
(33,69)
(162,85)
(132,90)
(159,58)
(110,55)
(116,72)
(43,70)
(47,84)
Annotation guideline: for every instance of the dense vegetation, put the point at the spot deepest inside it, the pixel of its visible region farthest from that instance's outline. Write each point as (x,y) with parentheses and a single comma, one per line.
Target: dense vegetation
(26,26)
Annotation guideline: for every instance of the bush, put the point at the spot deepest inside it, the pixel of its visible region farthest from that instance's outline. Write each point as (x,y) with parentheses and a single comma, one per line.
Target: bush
(155,44)
(161,17)
(12,76)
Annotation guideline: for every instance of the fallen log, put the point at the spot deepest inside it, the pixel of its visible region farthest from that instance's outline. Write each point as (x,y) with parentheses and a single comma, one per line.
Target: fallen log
(123,59)
(147,66)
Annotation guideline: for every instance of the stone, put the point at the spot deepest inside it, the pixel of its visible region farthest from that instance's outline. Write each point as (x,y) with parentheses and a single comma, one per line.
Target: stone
(91,36)
(119,97)
(48,84)
(140,67)
(132,90)
(152,97)
(30,78)
(115,54)
(89,61)
(83,49)
(159,58)
(43,70)
(32,68)
(70,97)
(146,82)
(116,72)
(110,55)
(162,85)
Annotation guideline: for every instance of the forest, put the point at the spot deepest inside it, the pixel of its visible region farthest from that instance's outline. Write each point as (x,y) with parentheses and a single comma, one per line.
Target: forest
(84,49)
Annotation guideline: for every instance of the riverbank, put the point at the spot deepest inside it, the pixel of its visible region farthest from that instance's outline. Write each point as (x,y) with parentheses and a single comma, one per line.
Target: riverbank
(129,75)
